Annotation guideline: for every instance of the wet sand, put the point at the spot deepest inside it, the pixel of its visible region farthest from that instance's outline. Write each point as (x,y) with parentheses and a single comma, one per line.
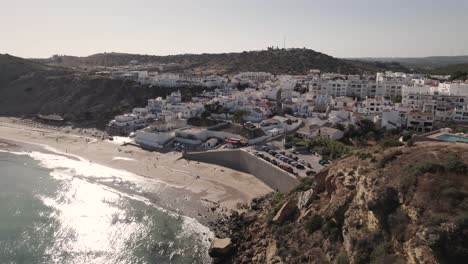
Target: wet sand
(210,184)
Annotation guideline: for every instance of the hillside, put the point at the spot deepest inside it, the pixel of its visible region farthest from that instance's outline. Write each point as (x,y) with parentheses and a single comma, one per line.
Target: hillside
(423,63)
(457,71)
(29,88)
(398,205)
(276,61)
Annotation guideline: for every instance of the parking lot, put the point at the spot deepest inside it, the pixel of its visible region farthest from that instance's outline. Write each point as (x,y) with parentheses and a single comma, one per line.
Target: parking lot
(290,161)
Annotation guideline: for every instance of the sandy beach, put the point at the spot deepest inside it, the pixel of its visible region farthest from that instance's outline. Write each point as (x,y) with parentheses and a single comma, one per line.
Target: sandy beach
(208,184)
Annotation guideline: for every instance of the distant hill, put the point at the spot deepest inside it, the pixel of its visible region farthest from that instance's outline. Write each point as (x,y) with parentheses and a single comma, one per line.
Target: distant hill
(424,63)
(276,61)
(456,71)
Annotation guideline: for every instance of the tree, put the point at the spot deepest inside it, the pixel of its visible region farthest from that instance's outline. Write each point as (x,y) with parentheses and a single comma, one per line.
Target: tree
(239,115)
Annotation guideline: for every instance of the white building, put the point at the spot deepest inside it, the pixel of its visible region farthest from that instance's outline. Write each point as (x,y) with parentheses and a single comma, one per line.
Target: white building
(374,106)
(254,76)
(420,121)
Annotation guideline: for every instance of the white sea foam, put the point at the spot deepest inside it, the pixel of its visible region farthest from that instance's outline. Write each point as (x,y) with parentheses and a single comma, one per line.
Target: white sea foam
(64,167)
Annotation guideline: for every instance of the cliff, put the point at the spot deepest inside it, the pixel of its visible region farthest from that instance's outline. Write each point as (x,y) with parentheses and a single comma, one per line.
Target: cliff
(398,205)
(28,88)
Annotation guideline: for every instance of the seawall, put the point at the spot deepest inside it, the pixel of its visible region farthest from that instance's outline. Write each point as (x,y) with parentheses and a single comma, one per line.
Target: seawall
(238,159)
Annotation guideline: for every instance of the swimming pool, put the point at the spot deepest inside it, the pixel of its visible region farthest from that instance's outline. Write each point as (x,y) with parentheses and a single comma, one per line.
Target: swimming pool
(452,138)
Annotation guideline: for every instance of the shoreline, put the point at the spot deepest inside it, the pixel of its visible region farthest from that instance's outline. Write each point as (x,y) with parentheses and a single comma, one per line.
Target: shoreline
(203,191)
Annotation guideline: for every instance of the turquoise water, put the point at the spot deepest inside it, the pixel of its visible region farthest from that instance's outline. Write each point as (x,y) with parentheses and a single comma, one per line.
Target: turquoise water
(452,138)
(58,216)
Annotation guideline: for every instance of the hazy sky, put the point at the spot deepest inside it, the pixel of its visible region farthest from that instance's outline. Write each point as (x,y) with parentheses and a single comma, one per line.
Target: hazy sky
(341,28)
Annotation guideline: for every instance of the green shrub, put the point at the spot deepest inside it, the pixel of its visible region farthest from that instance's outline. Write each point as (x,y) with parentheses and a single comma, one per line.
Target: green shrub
(407,135)
(332,229)
(342,258)
(301,143)
(389,157)
(314,224)
(364,156)
(269,219)
(390,142)
(277,197)
(410,143)
(329,148)
(304,185)
(455,164)
(380,250)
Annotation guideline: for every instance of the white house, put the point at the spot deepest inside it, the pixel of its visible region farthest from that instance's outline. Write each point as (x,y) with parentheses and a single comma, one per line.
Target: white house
(420,121)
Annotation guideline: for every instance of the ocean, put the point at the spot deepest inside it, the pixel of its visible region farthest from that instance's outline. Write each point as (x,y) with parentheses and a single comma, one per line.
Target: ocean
(62,209)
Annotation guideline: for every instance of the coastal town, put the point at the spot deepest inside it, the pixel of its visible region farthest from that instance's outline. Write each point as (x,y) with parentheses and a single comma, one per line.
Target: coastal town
(234,132)
(254,109)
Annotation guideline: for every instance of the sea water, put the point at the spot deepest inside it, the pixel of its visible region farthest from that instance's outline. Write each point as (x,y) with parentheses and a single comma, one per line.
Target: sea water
(58,209)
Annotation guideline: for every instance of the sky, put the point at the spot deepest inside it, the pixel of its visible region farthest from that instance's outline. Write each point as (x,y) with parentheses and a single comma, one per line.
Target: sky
(341,28)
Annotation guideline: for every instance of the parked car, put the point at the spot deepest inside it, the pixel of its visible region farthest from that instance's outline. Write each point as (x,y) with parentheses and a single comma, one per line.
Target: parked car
(288,169)
(267,159)
(300,166)
(265,148)
(274,162)
(324,162)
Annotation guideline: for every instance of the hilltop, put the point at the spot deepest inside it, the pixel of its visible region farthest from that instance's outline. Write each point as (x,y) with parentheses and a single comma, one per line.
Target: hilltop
(396,205)
(276,61)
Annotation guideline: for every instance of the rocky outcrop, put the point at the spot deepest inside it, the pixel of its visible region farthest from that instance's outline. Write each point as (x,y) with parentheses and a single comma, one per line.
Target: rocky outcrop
(286,212)
(304,199)
(220,248)
(358,212)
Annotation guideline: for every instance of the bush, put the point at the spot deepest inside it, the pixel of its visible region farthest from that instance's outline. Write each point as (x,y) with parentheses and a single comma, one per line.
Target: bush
(277,197)
(301,144)
(389,157)
(391,142)
(314,224)
(455,164)
(332,229)
(364,156)
(407,135)
(410,143)
(304,185)
(329,148)
(342,258)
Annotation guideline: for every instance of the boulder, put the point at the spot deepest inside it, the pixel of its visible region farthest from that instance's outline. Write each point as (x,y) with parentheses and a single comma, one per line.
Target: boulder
(304,198)
(220,247)
(249,217)
(271,252)
(286,212)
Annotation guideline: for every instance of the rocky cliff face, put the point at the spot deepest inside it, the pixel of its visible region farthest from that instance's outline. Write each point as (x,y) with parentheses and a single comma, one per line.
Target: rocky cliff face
(400,205)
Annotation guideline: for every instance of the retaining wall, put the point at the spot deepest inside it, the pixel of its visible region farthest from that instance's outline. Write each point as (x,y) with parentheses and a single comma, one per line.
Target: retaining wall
(243,161)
